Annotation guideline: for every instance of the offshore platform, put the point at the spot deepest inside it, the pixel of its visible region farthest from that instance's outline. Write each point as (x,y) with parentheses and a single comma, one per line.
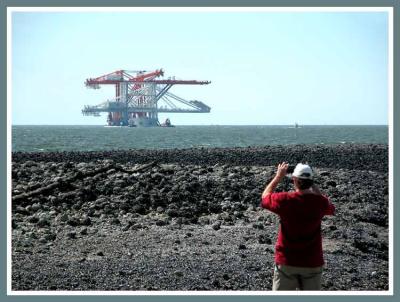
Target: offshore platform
(140,96)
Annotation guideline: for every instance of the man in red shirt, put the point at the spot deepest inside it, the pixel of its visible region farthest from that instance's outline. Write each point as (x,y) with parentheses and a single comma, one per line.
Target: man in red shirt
(298,250)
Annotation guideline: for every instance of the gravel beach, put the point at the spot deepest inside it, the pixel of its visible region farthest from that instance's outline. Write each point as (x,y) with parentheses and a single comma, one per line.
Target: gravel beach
(189,219)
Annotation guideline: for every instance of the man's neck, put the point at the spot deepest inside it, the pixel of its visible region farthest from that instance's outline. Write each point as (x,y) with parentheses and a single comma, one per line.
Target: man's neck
(306,191)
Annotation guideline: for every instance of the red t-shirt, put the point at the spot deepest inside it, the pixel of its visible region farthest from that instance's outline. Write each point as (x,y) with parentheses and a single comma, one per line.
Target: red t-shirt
(299,240)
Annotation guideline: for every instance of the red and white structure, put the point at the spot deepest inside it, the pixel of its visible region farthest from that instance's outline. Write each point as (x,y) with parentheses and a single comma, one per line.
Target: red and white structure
(140,96)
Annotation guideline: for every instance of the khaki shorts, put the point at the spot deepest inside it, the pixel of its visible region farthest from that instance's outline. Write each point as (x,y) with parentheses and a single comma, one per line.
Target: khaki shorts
(293,277)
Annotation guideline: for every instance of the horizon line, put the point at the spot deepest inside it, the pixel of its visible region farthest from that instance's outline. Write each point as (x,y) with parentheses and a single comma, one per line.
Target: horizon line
(207,125)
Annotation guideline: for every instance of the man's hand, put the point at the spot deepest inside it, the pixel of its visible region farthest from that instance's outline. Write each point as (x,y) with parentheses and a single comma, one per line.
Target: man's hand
(282,168)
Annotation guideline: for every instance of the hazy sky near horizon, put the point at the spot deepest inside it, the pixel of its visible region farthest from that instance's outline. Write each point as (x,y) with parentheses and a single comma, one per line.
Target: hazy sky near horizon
(266,68)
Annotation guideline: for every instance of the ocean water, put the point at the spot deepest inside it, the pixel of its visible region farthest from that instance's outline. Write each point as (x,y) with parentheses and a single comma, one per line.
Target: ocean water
(95,138)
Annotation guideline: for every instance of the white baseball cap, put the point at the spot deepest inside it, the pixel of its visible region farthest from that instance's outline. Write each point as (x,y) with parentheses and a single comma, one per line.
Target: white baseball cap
(303,171)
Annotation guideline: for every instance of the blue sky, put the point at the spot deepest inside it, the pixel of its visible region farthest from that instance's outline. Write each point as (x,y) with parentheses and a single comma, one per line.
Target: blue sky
(266,68)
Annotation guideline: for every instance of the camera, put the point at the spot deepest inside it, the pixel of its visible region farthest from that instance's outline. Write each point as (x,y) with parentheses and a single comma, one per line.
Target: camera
(290,169)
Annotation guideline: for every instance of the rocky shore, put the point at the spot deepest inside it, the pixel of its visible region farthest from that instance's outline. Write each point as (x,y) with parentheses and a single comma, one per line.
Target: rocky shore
(188,219)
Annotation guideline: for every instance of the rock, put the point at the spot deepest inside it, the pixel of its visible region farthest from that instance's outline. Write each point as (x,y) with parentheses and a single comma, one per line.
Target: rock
(204,220)
(137,226)
(96,214)
(160,210)
(73,221)
(31,235)
(27,242)
(71,235)
(238,214)
(178,273)
(251,208)
(64,217)
(86,221)
(35,207)
(172,212)
(258,225)
(242,247)
(216,226)
(50,237)
(216,283)
(126,227)
(161,222)
(84,231)
(42,240)
(264,239)
(115,221)
(43,222)
(21,210)
(137,208)
(33,219)
(169,169)
(226,207)
(331,183)
(100,253)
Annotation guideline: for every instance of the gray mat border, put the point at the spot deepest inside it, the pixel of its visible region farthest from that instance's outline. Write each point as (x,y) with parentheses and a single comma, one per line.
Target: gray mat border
(281,3)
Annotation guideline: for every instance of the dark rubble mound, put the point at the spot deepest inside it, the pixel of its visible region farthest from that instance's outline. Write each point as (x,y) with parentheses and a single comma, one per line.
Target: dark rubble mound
(344,156)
